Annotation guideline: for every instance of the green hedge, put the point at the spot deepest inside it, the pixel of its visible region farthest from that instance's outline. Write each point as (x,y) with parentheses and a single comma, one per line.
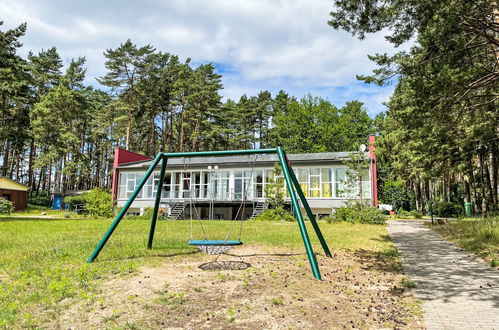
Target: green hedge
(41,199)
(447,209)
(358,213)
(96,202)
(277,214)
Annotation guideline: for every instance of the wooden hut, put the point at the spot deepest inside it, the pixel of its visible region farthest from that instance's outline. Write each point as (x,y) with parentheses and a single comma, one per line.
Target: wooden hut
(14,192)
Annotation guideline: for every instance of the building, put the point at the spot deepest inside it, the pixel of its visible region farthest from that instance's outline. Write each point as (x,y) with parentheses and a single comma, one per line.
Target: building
(220,187)
(14,192)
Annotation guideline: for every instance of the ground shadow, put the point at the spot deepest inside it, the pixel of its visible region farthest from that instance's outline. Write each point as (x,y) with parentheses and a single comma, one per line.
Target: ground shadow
(385,261)
(440,270)
(264,255)
(161,255)
(224,265)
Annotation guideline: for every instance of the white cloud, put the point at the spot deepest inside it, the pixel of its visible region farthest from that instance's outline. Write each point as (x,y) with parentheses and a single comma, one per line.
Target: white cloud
(259,44)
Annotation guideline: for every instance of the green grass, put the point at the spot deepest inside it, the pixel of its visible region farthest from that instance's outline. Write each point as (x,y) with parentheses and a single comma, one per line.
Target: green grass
(44,261)
(49,213)
(480,236)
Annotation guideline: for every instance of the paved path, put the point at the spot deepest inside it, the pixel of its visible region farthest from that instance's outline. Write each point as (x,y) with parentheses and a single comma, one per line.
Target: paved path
(458,289)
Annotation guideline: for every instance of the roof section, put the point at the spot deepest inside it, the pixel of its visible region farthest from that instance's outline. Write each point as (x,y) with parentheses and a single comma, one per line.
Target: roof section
(122,156)
(9,184)
(263,159)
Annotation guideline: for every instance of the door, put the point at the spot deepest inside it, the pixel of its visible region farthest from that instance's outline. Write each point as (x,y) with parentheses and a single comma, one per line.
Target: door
(186,185)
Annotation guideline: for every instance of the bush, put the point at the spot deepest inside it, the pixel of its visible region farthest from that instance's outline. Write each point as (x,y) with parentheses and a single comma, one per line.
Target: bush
(416,214)
(276,214)
(96,202)
(6,207)
(41,199)
(358,213)
(447,209)
(403,214)
(75,201)
(395,193)
(147,215)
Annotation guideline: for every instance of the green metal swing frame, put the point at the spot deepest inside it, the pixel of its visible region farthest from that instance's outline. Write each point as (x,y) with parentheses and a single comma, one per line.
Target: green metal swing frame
(292,184)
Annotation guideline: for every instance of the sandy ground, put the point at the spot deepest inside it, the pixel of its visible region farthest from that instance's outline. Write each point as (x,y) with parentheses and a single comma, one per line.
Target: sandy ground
(252,287)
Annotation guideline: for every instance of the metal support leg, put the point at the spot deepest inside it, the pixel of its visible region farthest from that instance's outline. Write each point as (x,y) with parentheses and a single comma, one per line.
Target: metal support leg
(299,217)
(125,208)
(311,216)
(156,203)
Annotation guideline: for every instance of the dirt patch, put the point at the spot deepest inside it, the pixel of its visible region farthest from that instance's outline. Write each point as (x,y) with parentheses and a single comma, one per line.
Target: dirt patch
(277,290)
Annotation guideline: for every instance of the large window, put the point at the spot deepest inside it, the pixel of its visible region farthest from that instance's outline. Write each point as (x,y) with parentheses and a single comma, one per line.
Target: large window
(315,182)
(127,184)
(326,183)
(323,182)
(220,185)
(351,187)
(242,185)
(303,180)
(258,183)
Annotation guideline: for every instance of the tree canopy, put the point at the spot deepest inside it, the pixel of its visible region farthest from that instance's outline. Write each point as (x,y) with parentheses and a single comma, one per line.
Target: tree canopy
(440,133)
(59,132)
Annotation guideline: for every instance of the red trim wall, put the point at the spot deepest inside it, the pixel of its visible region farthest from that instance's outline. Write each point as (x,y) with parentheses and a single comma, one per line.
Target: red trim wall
(374,179)
(122,156)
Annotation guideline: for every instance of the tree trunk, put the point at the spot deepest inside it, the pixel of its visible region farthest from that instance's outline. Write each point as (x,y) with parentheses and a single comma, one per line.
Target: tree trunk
(31,161)
(494,169)
(6,159)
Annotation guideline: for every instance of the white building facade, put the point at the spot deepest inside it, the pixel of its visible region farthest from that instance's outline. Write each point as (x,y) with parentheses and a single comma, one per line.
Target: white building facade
(218,187)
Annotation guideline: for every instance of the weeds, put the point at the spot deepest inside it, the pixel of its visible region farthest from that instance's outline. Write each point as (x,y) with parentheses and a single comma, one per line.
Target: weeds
(477,235)
(407,283)
(232,315)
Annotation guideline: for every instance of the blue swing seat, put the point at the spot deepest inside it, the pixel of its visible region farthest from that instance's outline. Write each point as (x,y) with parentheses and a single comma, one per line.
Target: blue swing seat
(207,242)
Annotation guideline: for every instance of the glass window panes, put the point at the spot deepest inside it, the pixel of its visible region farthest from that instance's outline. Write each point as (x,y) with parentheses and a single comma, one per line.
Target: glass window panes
(318,182)
(326,175)
(326,190)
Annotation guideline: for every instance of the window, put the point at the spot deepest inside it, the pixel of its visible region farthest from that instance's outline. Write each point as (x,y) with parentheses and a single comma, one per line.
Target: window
(315,182)
(349,187)
(147,188)
(221,185)
(366,185)
(122,185)
(127,183)
(242,183)
(303,180)
(341,182)
(258,183)
(326,185)
(165,192)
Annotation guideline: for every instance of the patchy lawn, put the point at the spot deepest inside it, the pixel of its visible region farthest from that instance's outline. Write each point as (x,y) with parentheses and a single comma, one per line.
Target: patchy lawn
(477,235)
(45,282)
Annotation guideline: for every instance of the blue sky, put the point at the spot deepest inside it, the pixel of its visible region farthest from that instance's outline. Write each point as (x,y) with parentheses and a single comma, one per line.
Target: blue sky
(255,44)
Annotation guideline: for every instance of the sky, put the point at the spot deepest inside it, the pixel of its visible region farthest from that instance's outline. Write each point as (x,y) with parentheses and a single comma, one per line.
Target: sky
(255,44)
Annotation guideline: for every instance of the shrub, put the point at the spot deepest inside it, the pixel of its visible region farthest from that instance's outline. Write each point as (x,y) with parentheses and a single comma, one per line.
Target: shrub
(358,213)
(447,209)
(147,215)
(99,202)
(76,200)
(416,214)
(96,202)
(394,193)
(6,207)
(41,199)
(403,214)
(276,214)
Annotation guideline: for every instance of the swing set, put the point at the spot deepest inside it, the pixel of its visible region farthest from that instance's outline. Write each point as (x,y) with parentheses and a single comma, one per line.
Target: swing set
(217,247)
